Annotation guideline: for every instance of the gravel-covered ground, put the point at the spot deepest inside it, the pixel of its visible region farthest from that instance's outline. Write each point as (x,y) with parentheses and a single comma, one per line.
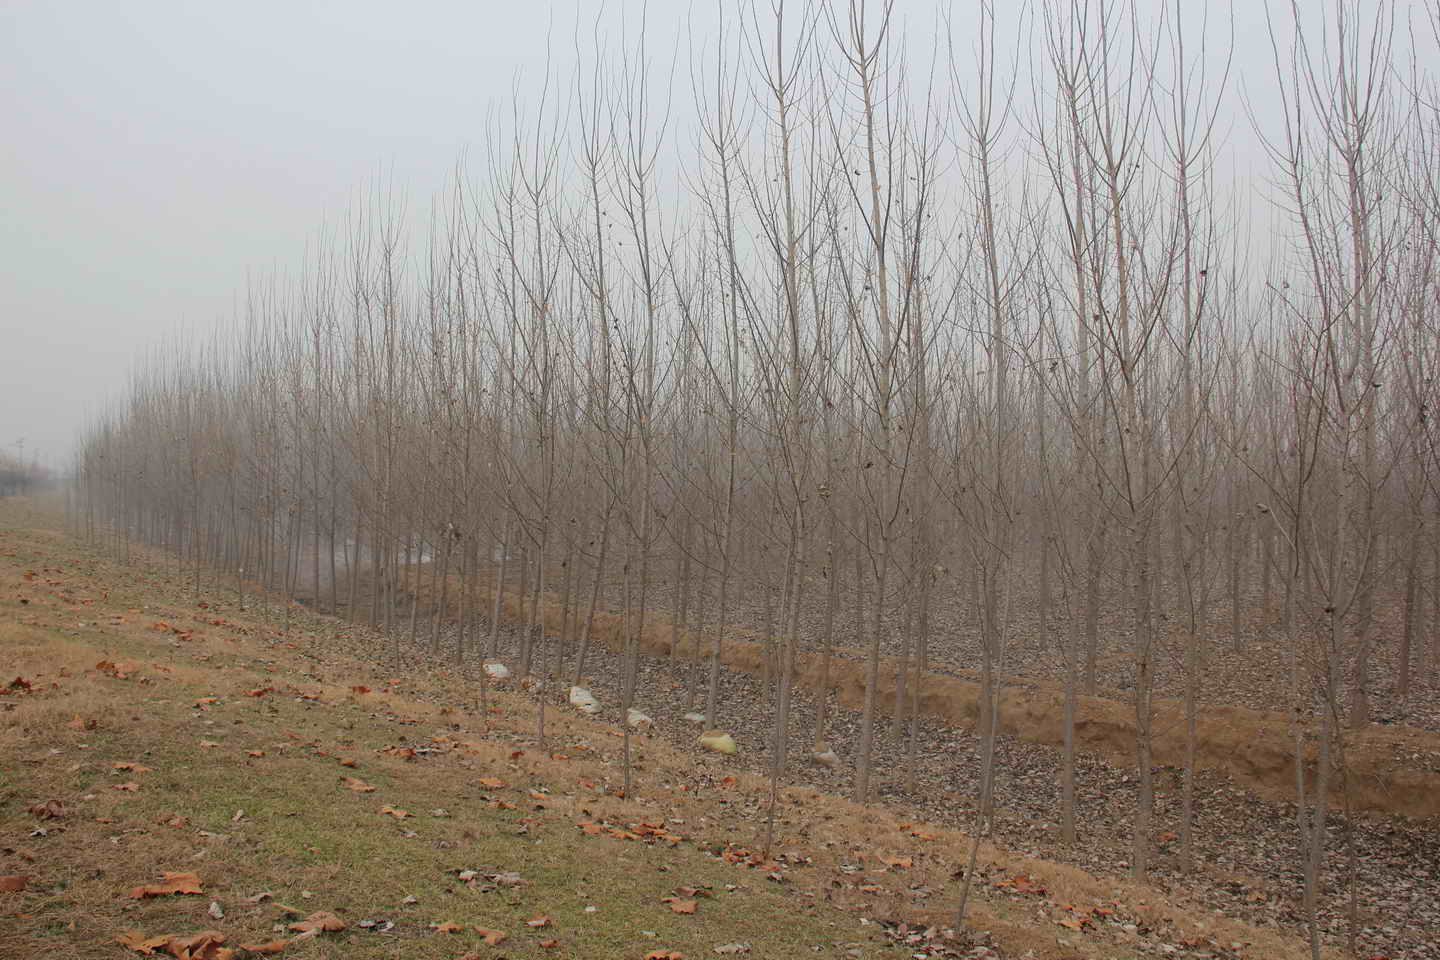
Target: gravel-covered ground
(1254,674)
(1247,862)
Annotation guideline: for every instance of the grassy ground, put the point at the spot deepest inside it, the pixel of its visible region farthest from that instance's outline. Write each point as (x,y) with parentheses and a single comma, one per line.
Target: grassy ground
(145,731)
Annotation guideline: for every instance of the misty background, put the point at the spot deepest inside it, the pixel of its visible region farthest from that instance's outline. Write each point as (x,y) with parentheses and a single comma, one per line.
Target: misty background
(160,156)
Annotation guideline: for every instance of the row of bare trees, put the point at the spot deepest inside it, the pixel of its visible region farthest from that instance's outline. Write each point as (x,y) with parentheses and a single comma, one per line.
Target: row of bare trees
(850,336)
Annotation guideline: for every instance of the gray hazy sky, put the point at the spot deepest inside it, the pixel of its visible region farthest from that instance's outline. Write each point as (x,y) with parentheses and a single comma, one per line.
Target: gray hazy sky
(156,153)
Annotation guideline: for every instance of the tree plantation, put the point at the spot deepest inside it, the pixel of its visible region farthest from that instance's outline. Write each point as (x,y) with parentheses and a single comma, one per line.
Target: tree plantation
(890,405)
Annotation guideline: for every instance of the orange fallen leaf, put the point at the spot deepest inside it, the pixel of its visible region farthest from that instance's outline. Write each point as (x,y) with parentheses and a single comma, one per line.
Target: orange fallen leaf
(347,761)
(593,829)
(397,814)
(492,938)
(132,787)
(1024,884)
(542,920)
(258,692)
(13,884)
(899,863)
(319,922)
(447,926)
(82,723)
(359,786)
(274,946)
(255,753)
(494,783)
(49,810)
(205,945)
(680,906)
(550,944)
(171,883)
(664,955)
(137,941)
(132,767)
(177,821)
(360,688)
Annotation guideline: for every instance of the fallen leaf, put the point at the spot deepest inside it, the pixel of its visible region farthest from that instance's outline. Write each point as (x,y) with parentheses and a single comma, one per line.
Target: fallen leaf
(491,937)
(725,948)
(132,767)
(680,906)
(549,944)
(208,744)
(543,920)
(359,786)
(255,753)
(1024,884)
(319,922)
(13,884)
(82,723)
(899,863)
(258,691)
(494,783)
(274,946)
(447,926)
(397,814)
(205,945)
(137,941)
(347,761)
(49,810)
(171,883)
(132,787)
(360,688)
(664,955)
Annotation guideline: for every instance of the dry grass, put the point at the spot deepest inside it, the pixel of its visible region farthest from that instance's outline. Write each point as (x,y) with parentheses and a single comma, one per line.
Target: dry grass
(284,822)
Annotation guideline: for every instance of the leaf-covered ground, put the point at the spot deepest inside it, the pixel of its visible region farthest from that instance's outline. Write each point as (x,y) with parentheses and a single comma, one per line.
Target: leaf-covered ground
(182,777)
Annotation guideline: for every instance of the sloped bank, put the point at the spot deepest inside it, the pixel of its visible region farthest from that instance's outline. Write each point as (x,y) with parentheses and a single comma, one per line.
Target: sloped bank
(1394,770)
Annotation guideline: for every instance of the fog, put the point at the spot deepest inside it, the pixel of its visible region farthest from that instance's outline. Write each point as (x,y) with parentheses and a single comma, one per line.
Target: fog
(157,155)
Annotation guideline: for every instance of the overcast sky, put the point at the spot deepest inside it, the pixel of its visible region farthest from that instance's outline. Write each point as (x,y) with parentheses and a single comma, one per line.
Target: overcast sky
(155,154)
